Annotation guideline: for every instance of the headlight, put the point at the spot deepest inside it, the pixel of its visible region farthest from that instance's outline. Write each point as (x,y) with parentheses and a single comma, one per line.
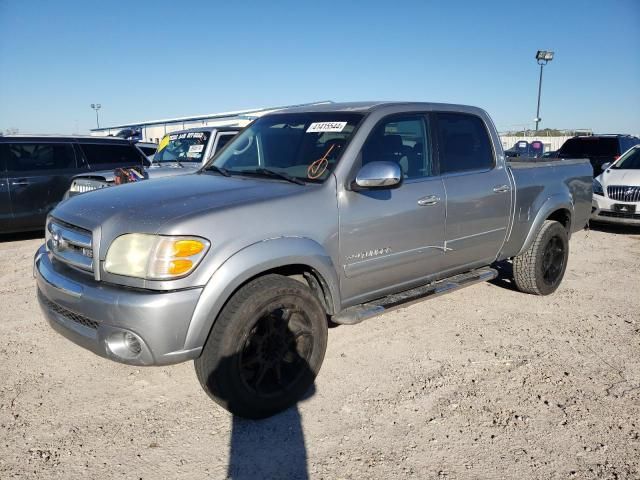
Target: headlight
(155,257)
(597,188)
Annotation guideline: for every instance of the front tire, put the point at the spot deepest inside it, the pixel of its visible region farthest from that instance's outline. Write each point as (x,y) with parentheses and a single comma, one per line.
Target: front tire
(540,269)
(265,348)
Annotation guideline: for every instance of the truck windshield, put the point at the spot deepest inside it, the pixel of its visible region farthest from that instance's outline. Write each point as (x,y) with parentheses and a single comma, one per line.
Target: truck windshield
(629,161)
(305,146)
(182,147)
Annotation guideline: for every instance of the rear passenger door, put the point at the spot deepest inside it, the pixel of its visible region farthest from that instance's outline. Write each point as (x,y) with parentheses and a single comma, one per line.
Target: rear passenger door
(6,216)
(478,191)
(38,175)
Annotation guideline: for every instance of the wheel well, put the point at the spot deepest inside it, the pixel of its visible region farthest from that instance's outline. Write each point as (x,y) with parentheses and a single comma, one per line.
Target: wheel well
(307,275)
(563,216)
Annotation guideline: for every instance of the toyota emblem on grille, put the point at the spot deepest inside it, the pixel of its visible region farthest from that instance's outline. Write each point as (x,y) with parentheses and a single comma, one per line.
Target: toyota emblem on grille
(56,239)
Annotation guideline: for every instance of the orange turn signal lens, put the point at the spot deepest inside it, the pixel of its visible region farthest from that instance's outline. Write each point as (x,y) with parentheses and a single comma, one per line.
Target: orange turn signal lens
(178,267)
(187,248)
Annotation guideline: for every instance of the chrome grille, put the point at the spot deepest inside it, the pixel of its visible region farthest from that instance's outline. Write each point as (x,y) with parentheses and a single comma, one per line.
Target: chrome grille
(68,314)
(83,185)
(624,193)
(70,245)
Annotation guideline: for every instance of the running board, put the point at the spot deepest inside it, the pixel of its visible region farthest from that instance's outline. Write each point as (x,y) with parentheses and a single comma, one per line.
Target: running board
(358,313)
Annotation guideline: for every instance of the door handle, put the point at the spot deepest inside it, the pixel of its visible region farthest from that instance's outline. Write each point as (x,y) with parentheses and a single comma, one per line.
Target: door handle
(501,188)
(429,200)
(20,182)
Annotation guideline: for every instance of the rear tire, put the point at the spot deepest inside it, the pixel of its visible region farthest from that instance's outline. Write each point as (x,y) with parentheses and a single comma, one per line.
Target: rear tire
(540,269)
(265,348)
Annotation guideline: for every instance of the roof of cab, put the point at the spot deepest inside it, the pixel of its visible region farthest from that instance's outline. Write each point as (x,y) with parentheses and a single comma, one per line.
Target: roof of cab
(62,138)
(367,107)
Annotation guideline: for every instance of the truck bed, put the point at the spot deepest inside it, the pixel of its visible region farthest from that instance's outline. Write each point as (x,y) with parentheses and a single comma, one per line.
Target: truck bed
(541,183)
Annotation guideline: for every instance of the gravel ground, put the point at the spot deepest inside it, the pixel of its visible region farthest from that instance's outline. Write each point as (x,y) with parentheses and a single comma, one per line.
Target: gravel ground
(483,383)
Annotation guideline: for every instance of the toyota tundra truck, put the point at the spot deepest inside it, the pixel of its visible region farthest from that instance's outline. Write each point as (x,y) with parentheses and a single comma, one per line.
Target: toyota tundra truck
(310,217)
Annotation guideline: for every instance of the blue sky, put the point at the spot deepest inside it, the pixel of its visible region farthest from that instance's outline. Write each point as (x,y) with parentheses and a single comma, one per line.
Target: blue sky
(154,59)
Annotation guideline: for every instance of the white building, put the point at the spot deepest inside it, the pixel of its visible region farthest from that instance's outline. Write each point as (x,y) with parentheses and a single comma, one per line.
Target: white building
(550,142)
(154,130)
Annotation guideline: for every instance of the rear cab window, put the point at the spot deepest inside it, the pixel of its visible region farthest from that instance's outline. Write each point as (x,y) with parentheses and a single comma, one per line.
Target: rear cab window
(25,158)
(581,147)
(463,143)
(103,155)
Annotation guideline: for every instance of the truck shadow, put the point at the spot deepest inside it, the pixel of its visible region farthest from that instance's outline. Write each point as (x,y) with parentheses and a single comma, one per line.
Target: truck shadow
(18,237)
(615,229)
(273,447)
(505,275)
(269,448)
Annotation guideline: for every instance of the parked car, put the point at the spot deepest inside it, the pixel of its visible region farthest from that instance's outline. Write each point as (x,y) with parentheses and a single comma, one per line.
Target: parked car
(599,149)
(178,153)
(616,191)
(523,148)
(339,211)
(550,154)
(36,171)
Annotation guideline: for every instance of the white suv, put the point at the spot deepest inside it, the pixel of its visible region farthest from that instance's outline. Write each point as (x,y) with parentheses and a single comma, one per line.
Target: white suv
(616,191)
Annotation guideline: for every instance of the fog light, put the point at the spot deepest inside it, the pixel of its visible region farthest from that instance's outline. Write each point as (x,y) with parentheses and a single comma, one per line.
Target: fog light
(132,343)
(124,345)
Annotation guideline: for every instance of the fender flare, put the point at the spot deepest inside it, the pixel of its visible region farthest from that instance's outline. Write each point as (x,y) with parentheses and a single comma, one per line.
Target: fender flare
(551,204)
(250,262)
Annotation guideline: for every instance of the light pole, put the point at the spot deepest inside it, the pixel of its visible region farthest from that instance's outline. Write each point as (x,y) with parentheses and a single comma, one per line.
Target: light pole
(96,107)
(543,57)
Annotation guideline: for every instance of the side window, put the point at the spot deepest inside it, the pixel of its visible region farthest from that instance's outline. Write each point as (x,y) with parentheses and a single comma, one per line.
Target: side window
(108,155)
(36,157)
(223,139)
(463,143)
(403,140)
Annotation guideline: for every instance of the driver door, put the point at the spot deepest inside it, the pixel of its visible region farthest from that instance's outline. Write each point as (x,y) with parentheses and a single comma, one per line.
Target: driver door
(393,238)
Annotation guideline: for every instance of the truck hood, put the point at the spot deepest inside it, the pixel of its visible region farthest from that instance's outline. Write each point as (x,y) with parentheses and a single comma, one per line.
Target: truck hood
(143,207)
(613,176)
(154,171)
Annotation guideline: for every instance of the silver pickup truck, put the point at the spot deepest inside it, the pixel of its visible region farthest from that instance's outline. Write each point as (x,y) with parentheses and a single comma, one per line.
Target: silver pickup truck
(309,217)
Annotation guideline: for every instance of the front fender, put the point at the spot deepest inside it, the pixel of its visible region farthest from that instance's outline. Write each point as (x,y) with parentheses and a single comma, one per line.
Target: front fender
(552,204)
(250,262)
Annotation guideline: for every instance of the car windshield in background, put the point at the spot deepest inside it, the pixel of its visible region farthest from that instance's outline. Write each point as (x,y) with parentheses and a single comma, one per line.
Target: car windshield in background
(589,147)
(182,147)
(305,146)
(629,161)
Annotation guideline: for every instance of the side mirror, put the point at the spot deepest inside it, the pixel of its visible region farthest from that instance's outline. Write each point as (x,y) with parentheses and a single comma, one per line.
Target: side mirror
(378,175)
(605,166)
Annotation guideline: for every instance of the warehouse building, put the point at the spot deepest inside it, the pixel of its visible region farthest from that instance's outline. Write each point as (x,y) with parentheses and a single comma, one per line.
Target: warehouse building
(154,130)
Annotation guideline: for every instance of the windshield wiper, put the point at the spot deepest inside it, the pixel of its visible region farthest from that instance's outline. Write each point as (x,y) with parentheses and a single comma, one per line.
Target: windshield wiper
(220,170)
(283,175)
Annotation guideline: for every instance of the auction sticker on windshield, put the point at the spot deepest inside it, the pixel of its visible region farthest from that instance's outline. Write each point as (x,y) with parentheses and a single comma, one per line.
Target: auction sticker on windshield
(196,148)
(319,127)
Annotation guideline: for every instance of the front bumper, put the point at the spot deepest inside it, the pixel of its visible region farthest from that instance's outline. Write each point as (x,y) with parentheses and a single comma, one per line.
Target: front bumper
(602,210)
(96,316)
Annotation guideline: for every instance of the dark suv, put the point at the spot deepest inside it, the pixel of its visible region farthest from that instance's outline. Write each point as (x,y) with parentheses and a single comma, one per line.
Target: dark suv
(599,149)
(36,171)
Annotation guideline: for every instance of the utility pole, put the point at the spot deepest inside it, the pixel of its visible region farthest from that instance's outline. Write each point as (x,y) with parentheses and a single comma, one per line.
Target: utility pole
(543,57)
(96,107)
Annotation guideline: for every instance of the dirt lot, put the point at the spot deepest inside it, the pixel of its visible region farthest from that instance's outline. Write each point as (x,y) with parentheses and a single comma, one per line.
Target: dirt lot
(483,383)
